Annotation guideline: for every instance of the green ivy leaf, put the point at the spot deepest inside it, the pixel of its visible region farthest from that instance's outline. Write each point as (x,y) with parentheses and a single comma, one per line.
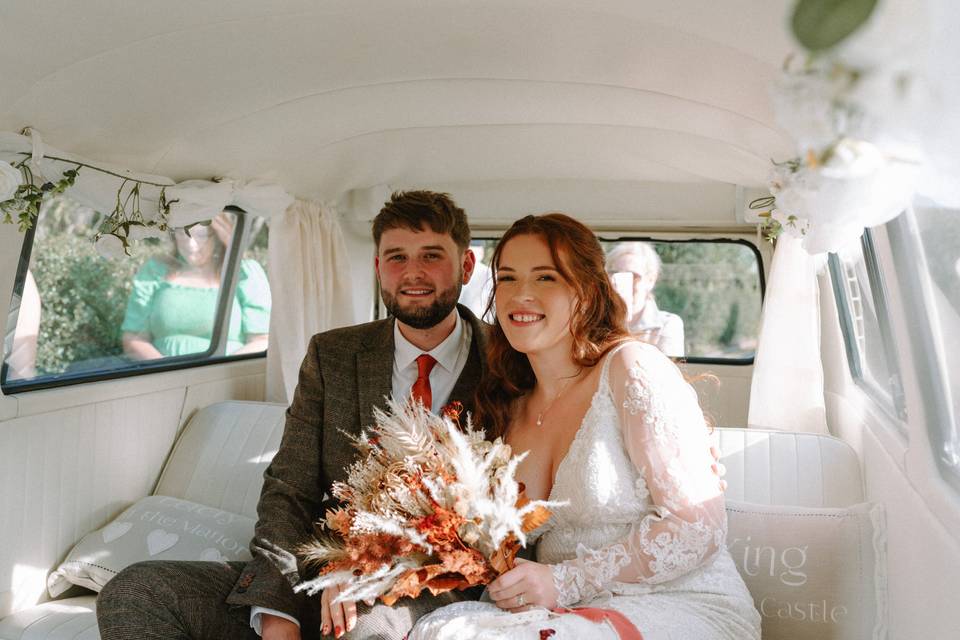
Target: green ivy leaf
(821,24)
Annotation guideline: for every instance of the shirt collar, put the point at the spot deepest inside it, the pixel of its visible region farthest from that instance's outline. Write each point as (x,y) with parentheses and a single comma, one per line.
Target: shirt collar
(445,353)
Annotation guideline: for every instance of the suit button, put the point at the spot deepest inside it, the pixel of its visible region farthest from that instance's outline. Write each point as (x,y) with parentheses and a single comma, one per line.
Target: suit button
(241,589)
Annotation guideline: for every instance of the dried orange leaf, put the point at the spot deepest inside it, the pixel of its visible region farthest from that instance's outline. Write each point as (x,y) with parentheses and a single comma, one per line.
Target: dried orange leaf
(535,518)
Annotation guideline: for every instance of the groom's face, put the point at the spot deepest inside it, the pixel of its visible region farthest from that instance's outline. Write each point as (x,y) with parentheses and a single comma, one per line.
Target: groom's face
(421,274)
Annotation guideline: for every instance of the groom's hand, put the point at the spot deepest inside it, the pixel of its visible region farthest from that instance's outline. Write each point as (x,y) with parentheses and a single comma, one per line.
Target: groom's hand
(527,585)
(336,618)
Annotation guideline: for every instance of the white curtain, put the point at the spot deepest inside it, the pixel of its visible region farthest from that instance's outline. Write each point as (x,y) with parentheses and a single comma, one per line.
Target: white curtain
(787,388)
(311,287)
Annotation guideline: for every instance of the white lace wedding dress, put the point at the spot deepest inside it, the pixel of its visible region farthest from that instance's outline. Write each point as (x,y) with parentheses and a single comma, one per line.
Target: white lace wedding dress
(645,526)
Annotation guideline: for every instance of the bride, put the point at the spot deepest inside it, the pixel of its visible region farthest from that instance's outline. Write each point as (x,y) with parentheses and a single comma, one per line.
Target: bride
(615,432)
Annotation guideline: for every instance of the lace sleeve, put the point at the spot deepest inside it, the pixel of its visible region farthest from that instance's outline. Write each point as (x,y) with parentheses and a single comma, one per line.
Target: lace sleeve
(666,437)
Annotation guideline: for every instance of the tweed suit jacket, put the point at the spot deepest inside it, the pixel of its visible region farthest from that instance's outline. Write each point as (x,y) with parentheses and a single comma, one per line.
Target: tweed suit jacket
(345,373)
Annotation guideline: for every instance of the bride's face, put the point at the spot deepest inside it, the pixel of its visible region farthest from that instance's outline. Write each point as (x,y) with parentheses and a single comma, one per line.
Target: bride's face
(534,303)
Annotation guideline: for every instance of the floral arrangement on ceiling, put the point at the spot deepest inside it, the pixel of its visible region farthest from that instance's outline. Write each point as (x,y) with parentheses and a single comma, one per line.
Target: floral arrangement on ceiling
(137,207)
(871,105)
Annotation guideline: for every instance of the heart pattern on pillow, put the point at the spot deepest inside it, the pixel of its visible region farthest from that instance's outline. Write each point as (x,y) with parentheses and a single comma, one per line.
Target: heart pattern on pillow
(154,527)
(115,529)
(159,541)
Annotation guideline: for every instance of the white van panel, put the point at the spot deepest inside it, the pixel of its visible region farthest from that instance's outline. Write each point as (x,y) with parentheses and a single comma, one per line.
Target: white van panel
(77,456)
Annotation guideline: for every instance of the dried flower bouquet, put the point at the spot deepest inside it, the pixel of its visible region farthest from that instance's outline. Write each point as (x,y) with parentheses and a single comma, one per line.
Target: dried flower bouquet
(429,505)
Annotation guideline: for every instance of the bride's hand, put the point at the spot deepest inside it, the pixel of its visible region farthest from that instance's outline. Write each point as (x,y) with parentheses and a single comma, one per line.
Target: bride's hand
(527,585)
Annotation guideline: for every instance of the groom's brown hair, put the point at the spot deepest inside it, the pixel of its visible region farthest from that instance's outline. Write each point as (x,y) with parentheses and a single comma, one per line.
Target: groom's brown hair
(414,209)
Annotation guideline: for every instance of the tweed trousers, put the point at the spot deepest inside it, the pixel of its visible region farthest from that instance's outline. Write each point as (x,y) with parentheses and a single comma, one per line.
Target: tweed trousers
(187,600)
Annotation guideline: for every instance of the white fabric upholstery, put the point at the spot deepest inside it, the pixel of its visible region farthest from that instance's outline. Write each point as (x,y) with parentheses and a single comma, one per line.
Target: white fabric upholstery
(70,619)
(220,458)
(784,468)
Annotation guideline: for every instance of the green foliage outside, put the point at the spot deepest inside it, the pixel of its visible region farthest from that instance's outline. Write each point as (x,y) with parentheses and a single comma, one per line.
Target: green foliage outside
(83,300)
(715,288)
(83,295)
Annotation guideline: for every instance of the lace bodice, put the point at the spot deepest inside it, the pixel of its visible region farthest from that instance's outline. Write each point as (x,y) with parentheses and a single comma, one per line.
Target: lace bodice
(644,506)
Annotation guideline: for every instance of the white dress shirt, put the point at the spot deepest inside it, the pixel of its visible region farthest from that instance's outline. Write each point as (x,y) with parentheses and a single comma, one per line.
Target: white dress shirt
(451,356)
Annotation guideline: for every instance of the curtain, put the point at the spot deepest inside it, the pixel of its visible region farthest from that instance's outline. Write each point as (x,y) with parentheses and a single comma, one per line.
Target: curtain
(787,388)
(311,287)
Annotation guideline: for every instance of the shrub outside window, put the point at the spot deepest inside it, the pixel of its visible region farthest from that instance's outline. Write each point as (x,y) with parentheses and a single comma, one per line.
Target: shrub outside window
(77,316)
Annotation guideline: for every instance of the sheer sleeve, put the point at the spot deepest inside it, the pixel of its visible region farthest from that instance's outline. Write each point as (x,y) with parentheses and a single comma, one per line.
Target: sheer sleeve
(666,438)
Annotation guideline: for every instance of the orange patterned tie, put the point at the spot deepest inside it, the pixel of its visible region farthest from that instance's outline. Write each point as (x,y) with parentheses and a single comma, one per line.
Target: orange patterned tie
(421,388)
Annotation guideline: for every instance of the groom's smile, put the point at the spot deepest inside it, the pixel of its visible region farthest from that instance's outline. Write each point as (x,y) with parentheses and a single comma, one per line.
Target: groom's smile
(421,274)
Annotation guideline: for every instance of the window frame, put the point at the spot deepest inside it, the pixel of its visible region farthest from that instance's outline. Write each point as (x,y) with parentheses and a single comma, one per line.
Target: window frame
(931,371)
(892,401)
(737,362)
(489,235)
(214,355)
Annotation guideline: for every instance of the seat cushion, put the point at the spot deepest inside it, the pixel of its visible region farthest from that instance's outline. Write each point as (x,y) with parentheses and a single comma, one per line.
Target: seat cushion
(220,457)
(789,468)
(70,619)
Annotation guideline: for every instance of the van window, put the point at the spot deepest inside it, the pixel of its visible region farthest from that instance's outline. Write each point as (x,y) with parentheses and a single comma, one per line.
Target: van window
(864,321)
(939,237)
(696,299)
(78,316)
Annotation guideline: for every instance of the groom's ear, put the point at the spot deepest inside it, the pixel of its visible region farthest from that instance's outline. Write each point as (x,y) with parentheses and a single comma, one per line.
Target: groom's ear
(468,264)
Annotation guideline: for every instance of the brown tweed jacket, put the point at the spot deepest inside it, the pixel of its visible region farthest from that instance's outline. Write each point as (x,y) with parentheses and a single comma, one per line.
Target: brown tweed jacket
(345,373)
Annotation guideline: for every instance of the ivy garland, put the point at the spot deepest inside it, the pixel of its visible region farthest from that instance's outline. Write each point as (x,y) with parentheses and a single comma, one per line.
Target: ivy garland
(126,222)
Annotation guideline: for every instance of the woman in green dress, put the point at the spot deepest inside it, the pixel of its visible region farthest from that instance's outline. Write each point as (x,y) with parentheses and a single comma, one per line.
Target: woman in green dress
(172,305)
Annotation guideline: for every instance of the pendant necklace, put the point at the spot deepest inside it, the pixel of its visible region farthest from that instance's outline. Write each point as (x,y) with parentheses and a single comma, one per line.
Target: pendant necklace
(559,393)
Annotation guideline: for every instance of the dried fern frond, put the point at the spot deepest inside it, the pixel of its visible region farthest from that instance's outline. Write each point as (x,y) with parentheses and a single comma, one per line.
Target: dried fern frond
(430,505)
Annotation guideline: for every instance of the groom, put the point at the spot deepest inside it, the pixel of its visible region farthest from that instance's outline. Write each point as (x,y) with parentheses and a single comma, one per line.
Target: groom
(432,349)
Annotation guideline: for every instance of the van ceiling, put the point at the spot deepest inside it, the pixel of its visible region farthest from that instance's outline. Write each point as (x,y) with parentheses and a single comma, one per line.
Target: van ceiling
(328,96)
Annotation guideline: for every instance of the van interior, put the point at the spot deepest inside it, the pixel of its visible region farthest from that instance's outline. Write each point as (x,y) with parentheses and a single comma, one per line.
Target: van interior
(832,376)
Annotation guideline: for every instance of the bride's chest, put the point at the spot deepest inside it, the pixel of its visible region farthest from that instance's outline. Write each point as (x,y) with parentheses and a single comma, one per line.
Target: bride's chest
(597,477)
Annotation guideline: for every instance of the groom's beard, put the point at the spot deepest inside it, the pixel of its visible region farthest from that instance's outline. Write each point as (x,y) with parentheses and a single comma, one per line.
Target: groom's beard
(420,317)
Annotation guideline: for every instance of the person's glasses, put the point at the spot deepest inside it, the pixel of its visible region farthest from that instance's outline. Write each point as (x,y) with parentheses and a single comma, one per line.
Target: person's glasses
(198,232)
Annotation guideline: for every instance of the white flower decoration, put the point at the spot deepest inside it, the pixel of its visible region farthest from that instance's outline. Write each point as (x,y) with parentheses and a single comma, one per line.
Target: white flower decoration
(10,181)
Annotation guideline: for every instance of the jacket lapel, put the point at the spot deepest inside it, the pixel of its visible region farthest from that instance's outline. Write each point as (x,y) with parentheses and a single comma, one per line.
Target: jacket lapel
(476,364)
(375,372)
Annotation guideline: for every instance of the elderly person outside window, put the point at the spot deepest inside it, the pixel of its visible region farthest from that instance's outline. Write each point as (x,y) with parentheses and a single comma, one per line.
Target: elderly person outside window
(634,268)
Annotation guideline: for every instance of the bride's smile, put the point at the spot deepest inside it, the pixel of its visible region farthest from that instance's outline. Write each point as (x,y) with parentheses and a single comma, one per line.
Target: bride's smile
(534,300)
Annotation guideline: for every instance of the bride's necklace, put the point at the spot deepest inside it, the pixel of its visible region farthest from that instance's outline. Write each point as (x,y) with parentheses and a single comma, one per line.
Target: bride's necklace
(547,408)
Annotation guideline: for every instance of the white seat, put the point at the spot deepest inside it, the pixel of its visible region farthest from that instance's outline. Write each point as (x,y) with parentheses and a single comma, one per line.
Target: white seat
(70,619)
(783,467)
(220,457)
(218,460)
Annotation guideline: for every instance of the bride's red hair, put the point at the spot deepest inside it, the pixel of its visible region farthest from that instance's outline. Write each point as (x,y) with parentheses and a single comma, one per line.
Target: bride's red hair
(598,322)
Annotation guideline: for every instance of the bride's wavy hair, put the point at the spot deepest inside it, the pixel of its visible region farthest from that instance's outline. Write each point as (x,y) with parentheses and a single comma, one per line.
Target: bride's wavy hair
(597,324)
